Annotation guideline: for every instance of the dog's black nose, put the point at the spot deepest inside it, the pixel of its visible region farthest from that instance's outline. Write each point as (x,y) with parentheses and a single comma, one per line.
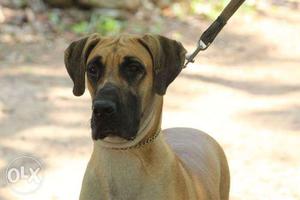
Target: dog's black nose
(104,108)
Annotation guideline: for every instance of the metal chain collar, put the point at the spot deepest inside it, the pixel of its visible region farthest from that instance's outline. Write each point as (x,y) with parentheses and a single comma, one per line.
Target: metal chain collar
(141,144)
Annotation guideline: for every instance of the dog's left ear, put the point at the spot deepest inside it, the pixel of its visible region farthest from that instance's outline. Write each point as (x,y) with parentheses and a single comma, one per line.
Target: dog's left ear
(75,61)
(168,58)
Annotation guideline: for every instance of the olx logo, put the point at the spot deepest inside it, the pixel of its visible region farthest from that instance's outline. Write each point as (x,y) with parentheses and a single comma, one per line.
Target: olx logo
(23,175)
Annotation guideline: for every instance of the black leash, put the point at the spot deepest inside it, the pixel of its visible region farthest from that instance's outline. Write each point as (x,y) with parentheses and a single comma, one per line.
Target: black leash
(213,30)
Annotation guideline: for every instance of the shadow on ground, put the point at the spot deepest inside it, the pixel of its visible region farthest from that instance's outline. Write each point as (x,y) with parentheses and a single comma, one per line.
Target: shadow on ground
(251,87)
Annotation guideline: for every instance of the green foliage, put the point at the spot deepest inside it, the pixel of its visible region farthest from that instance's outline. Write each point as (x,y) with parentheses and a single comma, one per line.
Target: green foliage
(107,25)
(104,25)
(80,27)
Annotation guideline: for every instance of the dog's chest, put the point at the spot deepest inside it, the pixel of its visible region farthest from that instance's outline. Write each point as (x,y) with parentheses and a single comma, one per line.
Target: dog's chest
(123,175)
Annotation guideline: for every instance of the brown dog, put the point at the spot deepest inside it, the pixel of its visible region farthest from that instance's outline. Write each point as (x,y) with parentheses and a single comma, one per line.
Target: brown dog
(133,159)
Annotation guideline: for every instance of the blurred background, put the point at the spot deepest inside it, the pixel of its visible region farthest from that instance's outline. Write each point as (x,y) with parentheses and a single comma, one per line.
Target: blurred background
(244,90)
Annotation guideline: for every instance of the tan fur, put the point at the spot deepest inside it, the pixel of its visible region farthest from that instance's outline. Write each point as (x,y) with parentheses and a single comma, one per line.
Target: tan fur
(157,171)
(180,164)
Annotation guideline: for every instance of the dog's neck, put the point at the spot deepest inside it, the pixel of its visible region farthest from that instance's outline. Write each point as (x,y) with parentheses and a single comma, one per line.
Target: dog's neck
(123,174)
(148,132)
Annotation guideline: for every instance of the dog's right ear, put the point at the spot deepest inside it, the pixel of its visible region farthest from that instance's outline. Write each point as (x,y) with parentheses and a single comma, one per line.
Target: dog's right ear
(75,61)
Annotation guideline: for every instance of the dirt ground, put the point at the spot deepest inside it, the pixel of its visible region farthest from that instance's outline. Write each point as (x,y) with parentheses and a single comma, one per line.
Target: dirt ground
(244,91)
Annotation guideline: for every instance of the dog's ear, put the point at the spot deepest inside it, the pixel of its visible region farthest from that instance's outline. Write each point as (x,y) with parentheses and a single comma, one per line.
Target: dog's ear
(168,59)
(75,61)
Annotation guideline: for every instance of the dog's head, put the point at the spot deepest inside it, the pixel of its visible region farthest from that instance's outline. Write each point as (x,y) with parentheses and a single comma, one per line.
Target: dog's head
(123,75)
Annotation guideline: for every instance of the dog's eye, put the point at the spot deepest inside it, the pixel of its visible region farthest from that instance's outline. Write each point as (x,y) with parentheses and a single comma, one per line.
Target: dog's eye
(92,70)
(134,68)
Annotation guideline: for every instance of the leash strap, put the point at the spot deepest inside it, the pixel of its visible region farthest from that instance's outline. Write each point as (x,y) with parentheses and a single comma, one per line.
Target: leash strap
(213,30)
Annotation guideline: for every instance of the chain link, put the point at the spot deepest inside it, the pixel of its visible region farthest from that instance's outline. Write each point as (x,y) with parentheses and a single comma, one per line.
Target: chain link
(147,141)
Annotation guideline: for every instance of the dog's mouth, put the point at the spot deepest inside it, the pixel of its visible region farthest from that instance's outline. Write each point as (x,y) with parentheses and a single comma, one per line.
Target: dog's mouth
(111,136)
(114,139)
(110,130)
